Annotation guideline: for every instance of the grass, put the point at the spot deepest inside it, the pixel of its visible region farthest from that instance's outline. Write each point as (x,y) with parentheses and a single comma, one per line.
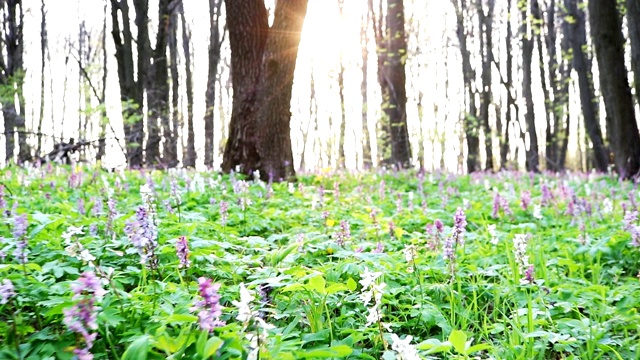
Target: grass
(304,251)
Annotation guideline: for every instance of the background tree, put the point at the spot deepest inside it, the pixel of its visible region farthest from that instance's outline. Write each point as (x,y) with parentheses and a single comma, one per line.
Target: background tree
(215,42)
(263,61)
(527,54)
(622,128)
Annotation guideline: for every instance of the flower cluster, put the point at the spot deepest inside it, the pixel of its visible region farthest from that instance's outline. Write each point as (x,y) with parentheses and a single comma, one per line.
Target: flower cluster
(522,259)
(630,219)
(143,234)
(182,250)
(3,201)
(209,307)
(81,317)
(74,248)
(6,291)
(20,236)
(491,229)
(525,199)
(224,212)
(405,350)
(246,316)
(372,293)
(344,234)
(410,254)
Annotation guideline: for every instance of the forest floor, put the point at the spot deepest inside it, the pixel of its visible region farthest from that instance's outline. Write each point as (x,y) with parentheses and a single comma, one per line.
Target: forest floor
(386,265)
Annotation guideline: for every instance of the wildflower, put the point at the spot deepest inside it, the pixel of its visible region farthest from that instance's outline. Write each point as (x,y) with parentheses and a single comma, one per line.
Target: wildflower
(19,234)
(496,205)
(224,212)
(209,306)
(81,317)
(300,241)
(410,254)
(522,259)
(143,234)
(607,206)
(336,191)
(629,225)
(80,204)
(372,293)
(537,212)
(547,196)
(6,291)
(491,228)
(405,350)
(244,309)
(344,234)
(459,225)
(3,201)
(525,200)
(182,250)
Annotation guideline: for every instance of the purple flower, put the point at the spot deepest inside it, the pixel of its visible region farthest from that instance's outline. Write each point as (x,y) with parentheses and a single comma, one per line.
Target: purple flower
(80,205)
(629,225)
(6,291)
(81,317)
(182,250)
(496,205)
(459,225)
(547,196)
(529,275)
(209,306)
(525,200)
(19,234)
(343,234)
(143,234)
(224,212)
(98,206)
(3,201)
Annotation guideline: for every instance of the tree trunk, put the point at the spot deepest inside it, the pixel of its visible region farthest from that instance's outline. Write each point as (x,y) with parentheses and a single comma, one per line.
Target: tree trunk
(102,144)
(43,53)
(504,136)
(157,85)
(582,64)
(367,162)
(190,159)
(470,123)
(633,23)
(621,122)
(486,48)
(527,54)
(171,148)
(131,91)
(210,94)
(263,61)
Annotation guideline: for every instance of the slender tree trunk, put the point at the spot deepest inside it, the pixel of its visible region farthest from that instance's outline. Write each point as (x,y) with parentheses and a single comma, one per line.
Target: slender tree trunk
(622,128)
(263,61)
(172,147)
(210,94)
(486,48)
(367,162)
(343,115)
(102,143)
(527,55)
(504,136)
(43,53)
(190,159)
(470,123)
(582,64)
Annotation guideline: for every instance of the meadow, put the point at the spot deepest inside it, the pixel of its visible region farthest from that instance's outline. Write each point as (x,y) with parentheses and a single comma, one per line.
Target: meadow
(385,265)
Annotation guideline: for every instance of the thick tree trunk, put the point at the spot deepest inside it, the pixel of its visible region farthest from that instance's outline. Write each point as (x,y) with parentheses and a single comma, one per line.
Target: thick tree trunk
(210,94)
(527,55)
(263,61)
(621,122)
(486,48)
(190,158)
(131,91)
(633,23)
(470,123)
(582,64)
(395,84)
(158,89)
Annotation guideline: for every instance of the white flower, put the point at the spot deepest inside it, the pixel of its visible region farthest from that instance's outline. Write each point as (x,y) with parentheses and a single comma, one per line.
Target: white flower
(368,277)
(537,212)
(491,228)
(244,310)
(405,350)
(72,231)
(607,206)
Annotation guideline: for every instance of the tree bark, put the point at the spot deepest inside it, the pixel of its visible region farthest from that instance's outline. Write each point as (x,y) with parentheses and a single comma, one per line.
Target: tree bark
(582,64)
(504,136)
(527,54)
(367,162)
(171,151)
(633,23)
(210,94)
(263,61)
(470,123)
(486,48)
(190,158)
(43,62)
(622,129)
(131,90)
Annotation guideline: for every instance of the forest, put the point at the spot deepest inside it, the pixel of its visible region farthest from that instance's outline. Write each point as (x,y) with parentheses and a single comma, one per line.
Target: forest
(319,179)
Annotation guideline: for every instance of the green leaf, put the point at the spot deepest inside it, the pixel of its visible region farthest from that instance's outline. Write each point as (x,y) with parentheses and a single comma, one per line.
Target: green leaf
(458,339)
(138,349)
(351,284)
(212,345)
(317,283)
(181,318)
(434,346)
(326,352)
(476,348)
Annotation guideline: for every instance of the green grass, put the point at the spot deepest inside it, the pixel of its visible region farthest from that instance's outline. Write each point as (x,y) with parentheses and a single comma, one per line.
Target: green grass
(582,304)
